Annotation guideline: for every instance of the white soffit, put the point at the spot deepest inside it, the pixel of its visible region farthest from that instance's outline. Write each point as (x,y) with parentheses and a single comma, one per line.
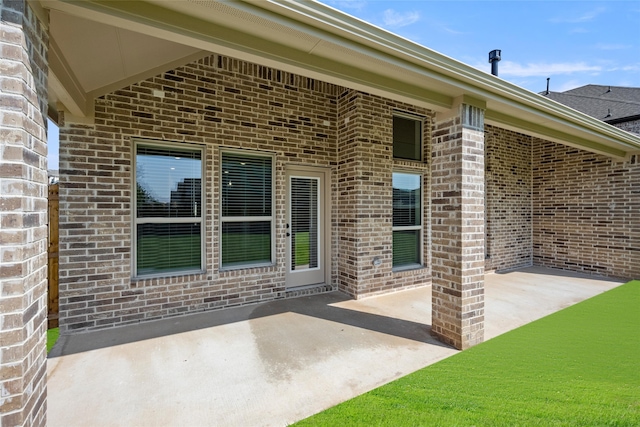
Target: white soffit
(101,55)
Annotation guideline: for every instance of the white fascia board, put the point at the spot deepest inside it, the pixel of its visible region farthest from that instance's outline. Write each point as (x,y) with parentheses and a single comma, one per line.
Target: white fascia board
(64,83)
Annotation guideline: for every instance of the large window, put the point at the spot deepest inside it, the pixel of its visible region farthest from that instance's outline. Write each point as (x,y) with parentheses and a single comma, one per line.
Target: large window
(407,220)
(168,210)
(407,137)
(247,209)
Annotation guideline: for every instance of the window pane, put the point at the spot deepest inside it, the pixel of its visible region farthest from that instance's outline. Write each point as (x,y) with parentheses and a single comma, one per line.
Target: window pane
(168,182)
(246,243)
(168,248)
(304,223)
(246,185)
(406,248)
(407,209)
(407,138)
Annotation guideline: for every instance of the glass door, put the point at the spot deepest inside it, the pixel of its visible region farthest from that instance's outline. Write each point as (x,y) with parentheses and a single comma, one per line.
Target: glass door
(304,228)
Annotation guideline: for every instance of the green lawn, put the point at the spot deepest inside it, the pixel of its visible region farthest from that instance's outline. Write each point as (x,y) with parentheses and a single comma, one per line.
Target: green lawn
(243,248)
(302,248)
(52,337)
(577,367)
(168,253)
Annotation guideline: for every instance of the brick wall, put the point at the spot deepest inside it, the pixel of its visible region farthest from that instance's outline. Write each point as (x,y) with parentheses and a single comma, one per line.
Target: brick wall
(365,188)
(216,102)
(23,216)
(585,211)
(508,199)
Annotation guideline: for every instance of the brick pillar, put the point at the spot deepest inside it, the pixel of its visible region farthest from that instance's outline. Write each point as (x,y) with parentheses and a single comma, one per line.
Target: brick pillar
(365,167)
(23,216)
(457,211)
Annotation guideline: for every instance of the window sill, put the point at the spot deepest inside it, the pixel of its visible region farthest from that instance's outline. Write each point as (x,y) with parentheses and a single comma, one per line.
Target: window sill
(246,266)
(167,275)
(410,267)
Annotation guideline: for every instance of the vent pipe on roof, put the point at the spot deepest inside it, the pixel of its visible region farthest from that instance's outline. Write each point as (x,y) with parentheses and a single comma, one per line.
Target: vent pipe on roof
(494,58)
(548,78)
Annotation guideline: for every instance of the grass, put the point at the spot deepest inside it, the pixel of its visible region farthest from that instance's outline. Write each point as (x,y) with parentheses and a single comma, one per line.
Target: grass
(168,253)
(244,248)
(405,248)
(52,337)
(302,248)
(577,367)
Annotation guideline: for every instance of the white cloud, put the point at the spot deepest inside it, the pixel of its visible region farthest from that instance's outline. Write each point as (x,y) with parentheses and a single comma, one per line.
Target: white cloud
(632,68)
(510,68)
(568,85)
(605,46)
(451,30)
(585,17)
(578,31)
(540,69)
(394,19)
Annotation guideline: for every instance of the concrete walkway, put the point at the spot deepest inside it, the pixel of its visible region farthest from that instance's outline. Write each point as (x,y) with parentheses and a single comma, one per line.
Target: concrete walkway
(275,363)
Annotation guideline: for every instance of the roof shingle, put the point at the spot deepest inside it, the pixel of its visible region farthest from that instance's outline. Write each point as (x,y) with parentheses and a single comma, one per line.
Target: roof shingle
(610,104)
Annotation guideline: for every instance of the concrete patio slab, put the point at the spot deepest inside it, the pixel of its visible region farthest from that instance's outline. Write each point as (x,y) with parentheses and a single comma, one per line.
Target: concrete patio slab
(275,363)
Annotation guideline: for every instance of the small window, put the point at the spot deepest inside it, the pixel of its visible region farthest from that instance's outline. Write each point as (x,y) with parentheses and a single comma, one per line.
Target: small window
(247,210)
(407,138)
(168,210)
(407,220)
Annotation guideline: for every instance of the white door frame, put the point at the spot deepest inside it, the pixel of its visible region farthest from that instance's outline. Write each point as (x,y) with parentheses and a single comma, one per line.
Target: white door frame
(324,225)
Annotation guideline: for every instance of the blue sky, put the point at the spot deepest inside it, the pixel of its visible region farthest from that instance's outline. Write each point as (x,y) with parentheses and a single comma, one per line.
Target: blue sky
(573,42)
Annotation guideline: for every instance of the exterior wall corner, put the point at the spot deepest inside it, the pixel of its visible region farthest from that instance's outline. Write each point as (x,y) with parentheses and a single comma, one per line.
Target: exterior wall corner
(23,216)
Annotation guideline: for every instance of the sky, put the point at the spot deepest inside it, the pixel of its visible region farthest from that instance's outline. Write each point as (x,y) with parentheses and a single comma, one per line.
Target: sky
(53,145)
(573,42)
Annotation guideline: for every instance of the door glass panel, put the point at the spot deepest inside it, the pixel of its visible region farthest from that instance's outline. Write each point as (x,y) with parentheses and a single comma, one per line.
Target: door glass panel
(304,223)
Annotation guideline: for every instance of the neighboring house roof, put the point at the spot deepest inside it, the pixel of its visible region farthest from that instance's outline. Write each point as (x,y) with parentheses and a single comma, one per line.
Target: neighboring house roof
(611,104)
(100,46)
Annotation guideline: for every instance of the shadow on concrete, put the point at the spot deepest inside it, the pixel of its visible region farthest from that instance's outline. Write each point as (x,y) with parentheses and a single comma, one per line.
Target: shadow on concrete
(545,271)
(322,306)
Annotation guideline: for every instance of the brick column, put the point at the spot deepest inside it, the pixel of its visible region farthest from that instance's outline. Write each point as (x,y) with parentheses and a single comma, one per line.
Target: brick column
(364,172)
(23,216)
(458,225)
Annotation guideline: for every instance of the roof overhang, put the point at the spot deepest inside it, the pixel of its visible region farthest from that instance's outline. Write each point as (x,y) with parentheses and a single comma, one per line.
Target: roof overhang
(314,40)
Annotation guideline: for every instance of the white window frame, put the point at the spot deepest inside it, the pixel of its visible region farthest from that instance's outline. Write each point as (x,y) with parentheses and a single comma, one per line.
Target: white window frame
(134,209)
(271,218)
(420,227)
(420,120)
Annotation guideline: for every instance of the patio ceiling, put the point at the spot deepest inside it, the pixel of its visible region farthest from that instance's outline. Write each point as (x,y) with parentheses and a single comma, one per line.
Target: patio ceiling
(100,46)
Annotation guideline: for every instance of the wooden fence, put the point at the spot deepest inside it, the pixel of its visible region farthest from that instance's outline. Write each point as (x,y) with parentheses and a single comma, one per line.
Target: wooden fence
(52,315)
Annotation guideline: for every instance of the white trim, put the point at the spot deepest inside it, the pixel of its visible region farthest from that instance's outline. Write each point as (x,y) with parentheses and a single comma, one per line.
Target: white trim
(408,227)
(408,115)
(247,218)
